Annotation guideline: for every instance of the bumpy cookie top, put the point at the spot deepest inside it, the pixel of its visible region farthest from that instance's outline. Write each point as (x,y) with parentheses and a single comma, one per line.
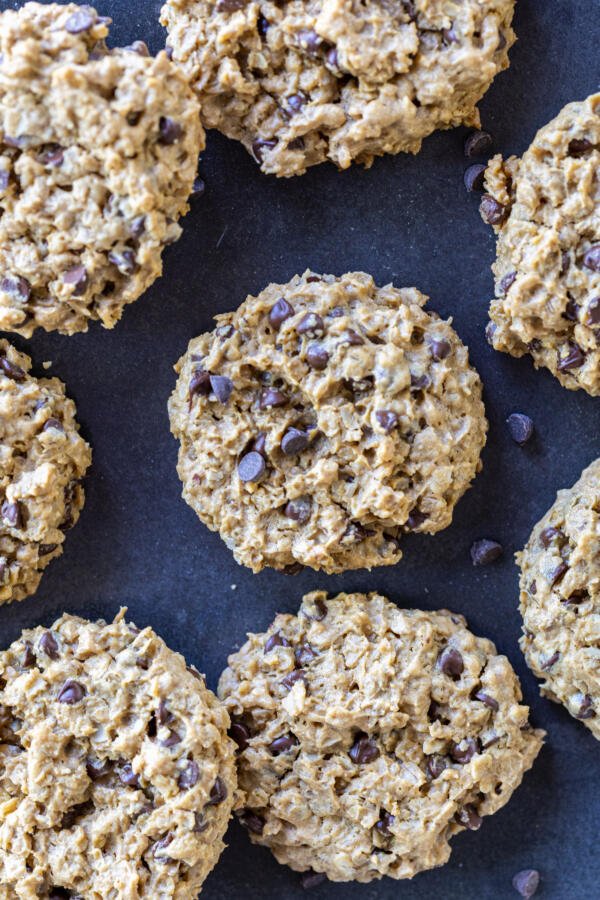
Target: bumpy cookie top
(98,153)
(324,418)
(42,459)
(546,211)
(117,777)
(560,599)
(303,81)
(369,735)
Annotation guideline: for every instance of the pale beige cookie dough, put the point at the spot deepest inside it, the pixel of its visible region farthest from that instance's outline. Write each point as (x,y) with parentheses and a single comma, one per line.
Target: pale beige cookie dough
(42,461)
(117,777)
(325,418)
(560,599)
(545,209)
(369,735)
(98,154)
(303,81)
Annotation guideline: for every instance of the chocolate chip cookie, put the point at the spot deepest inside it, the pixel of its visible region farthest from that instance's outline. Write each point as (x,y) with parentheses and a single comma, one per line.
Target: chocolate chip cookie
(369,735)
(545,209)
(303,81)
(560,599)
(42,461)
(98,153)
(117,777)
(325,418)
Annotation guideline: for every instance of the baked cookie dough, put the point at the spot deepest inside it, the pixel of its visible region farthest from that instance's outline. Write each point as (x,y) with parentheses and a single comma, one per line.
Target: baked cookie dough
(117,777)
(560,599)
(545,209)
(323,419)
(98,154)
(303,81)
(369,735)
(42,461)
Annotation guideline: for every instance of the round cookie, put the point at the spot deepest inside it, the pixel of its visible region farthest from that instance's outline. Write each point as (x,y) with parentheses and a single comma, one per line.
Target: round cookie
(560,599)
(369,735)
(323,419)
(42,461)
(89,196)
(545,209)
(117,777)
(303,81)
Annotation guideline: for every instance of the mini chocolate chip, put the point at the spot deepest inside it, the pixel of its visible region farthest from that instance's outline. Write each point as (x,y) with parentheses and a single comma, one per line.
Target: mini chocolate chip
(526,882)
(573,360)
(128,777)
(419,382)
(251,821)
(295,102)
(138,47)
(230,5)
(169,130)
(260,443)
(275,640)
(163,716)
(311,879)
(552,660)
(364,750)
(571,312)
(221,387)
(468,817)
(474,177)
(71,692)
(29,657)
(550,534)
(218,792)
(240,734)
(451,662)
(292,569)
(11,513)
(478,143)
(82,20)
(311,324)
(189,777)
(485,552)
(161,845)
(172,740)
(507,282)
(298,509)
(558,574)
(260,145)
(320,610)
(294,441)
(77,276)
(384,823)
(124,261)
(355,533)
(387,419)
(11,370)
(317,357)
(52,156)
(97,769)
(272,398)
(251,467)
(487,700)
(16,286)
(310,41)
(290,680)
(416,518)
(199,383)
(439,349)
(436,765)
(352,338)
(584,706)
(520,427)
(48,645)
(579,146)
(592,316)
(137,226)
(492,212)
(282,744)
(449,36)
(200,824)
(591,260)
(53,424)
(304,655)
(279,312)
(490,331)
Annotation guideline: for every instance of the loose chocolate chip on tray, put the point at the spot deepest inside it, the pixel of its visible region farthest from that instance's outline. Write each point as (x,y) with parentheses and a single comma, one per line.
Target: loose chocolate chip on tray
(520,427)
(478,143)
(484,552)
(474,177)
(526,882)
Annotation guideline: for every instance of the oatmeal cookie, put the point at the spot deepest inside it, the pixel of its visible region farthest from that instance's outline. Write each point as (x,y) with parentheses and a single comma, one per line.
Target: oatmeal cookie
(323,419)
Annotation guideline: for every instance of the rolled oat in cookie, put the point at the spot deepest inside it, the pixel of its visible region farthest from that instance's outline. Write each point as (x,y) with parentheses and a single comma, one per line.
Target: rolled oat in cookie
(560,599)
(369,735)
(43,459)
(545,209)
(325,418)
(303,81)
(117,778)
(98,154)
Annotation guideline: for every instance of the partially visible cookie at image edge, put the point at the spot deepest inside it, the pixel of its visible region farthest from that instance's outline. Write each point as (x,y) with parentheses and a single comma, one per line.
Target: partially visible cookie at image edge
(560,599)
(117,777)
(369,735)
(42,461)
(98,154)
(325,418)
(301,82)
(545,209)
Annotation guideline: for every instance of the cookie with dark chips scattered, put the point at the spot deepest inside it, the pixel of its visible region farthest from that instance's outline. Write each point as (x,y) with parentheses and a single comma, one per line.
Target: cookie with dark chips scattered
(560,599)
(403,730)
(117,777)
(98,155)
(303,81)
(42,461)
(353,417)
(545,209)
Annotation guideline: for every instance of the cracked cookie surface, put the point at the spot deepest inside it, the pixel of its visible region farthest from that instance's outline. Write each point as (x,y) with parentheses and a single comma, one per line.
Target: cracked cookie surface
(303,81)
(88,197)
(545,209)
(117,777)
(42,461)
(369,735)
(323,419)
(560,599)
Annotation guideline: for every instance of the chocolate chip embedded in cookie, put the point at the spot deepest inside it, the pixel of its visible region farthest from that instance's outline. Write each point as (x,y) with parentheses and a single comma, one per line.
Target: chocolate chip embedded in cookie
(42,461)
(545,209)
(560,599)
(324,419)
(401,729)
(302,82)
(116,772)
(98,154)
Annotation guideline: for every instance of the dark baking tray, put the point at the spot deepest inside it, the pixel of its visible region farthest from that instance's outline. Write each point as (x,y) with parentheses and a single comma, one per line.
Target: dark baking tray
(406,220)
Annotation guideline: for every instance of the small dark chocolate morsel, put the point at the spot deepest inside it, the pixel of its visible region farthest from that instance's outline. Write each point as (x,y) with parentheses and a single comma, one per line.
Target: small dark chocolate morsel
(272,398)
(29,657)
(507,282)
(526,882)
(230,5)
(240,734)
(128,776)
(77,276)
(304,655)
(49,645)
(579,146)
(386,419)
(221,387)
(169,131)
(260,145)
(574,359)
(81,21)
(290,680)
(584,706)
(492,212)
(436,765)
(468,817)
(439,349)
(487,700)
(11,513)
(71,692)
(275,640)
(294,441)
(384,823)
(558,573)
(520,427)
(484,552)
(189,777)
(591,259)
(218,792)
(451,662)
(478,143)
(11,370)
(251,467)
(474,177)
(311,324)
(299,509)
(364,750)
(550,534)
(317,357)
(416,518)
(17,287)
(279,312)
(251,821)
(592,316)
(282,744)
